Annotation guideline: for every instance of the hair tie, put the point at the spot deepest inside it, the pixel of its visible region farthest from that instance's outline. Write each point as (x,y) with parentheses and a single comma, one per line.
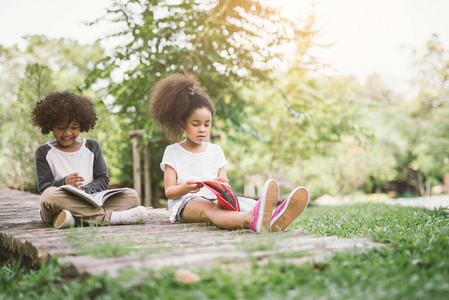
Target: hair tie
(193,89)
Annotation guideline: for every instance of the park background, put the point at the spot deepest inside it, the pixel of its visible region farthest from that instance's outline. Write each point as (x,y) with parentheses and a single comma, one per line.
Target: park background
(343,97)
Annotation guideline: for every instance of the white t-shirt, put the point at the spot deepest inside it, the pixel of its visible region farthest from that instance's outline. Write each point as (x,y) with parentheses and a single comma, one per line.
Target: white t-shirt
(64,163)
(53,165)
(193,166)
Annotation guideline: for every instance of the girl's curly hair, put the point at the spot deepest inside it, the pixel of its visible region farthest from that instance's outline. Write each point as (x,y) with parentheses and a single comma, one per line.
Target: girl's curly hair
(173,101)
(60,107)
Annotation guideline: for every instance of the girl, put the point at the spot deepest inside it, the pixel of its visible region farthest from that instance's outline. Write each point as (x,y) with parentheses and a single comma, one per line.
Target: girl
(78,162)
(180,106)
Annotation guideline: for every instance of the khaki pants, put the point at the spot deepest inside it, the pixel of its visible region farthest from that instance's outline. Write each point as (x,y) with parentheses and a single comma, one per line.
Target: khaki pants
(55,199)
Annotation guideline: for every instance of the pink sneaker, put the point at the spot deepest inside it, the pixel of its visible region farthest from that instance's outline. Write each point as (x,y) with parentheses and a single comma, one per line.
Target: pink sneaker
(264,207)
(295,204)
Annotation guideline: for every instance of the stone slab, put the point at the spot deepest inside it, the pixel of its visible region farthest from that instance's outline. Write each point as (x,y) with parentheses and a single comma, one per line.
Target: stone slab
(156,244)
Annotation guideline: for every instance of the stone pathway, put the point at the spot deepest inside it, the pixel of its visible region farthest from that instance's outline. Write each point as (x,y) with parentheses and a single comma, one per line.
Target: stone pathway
(157,244)
(429,203)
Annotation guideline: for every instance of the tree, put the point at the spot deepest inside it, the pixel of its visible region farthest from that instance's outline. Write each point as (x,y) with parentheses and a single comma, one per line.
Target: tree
(411,136)
(227,44)
(314,140)
(18,138)
(27,76)
(223,42)
(430,109)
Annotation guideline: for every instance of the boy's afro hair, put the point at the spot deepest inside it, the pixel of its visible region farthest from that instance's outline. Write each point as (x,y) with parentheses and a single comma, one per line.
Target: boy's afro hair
(64,107)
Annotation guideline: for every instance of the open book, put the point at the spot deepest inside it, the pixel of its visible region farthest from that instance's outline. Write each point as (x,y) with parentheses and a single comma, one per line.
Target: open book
(96,199)
(225,195)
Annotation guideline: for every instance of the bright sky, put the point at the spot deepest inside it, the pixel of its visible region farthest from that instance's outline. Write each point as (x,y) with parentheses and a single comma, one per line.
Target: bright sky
(368,34)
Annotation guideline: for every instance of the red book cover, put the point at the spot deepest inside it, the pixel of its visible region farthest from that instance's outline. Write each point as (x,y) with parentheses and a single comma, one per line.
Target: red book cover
(225,195)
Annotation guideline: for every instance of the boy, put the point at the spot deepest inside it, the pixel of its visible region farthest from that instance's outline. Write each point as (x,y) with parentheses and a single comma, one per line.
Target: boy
(78,162)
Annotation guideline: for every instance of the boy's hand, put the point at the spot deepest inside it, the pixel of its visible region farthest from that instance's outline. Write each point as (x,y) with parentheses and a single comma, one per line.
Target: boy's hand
(74,180)
(193,186)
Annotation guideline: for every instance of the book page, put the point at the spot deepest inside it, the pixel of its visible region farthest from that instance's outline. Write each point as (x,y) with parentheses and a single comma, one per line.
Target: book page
(102,196)
(83,195)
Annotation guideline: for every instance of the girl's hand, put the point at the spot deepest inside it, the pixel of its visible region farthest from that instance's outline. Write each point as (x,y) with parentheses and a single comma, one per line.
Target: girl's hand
(192,186)
(221,179)
(74,180)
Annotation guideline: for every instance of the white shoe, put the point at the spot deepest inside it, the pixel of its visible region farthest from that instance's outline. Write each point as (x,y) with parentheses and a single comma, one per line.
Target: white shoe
(136,215)
(63,220)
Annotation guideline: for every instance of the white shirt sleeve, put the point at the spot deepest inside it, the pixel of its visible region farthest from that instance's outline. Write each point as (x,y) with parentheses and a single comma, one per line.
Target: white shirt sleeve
(168,158)
(221,159)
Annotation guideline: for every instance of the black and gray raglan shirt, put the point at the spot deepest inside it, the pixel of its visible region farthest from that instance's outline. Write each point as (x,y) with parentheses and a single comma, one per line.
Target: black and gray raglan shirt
(53,165)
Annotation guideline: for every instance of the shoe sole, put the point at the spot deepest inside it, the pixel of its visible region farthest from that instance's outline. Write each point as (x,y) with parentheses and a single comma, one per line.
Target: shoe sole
(271,194)
(62,220)
(297,204)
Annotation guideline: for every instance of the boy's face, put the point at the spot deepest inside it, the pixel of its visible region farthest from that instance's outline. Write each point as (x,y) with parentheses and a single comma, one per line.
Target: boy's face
(66,136)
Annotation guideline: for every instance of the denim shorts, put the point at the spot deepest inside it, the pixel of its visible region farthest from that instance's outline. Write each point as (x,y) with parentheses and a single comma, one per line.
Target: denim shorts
(183,205)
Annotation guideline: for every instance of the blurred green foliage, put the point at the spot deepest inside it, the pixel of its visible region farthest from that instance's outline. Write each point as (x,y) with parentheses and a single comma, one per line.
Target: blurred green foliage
(27,76)
(277,116)
(228,45)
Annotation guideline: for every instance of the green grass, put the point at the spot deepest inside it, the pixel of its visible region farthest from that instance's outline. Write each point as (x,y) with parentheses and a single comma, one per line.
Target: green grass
(92,243)
(415,265)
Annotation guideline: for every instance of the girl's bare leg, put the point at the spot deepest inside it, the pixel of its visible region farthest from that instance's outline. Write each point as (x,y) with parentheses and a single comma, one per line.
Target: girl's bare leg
(200,210)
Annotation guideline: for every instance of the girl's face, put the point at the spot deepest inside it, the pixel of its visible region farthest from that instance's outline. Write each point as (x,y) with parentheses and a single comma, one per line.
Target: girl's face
(66,136)
(197,126)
